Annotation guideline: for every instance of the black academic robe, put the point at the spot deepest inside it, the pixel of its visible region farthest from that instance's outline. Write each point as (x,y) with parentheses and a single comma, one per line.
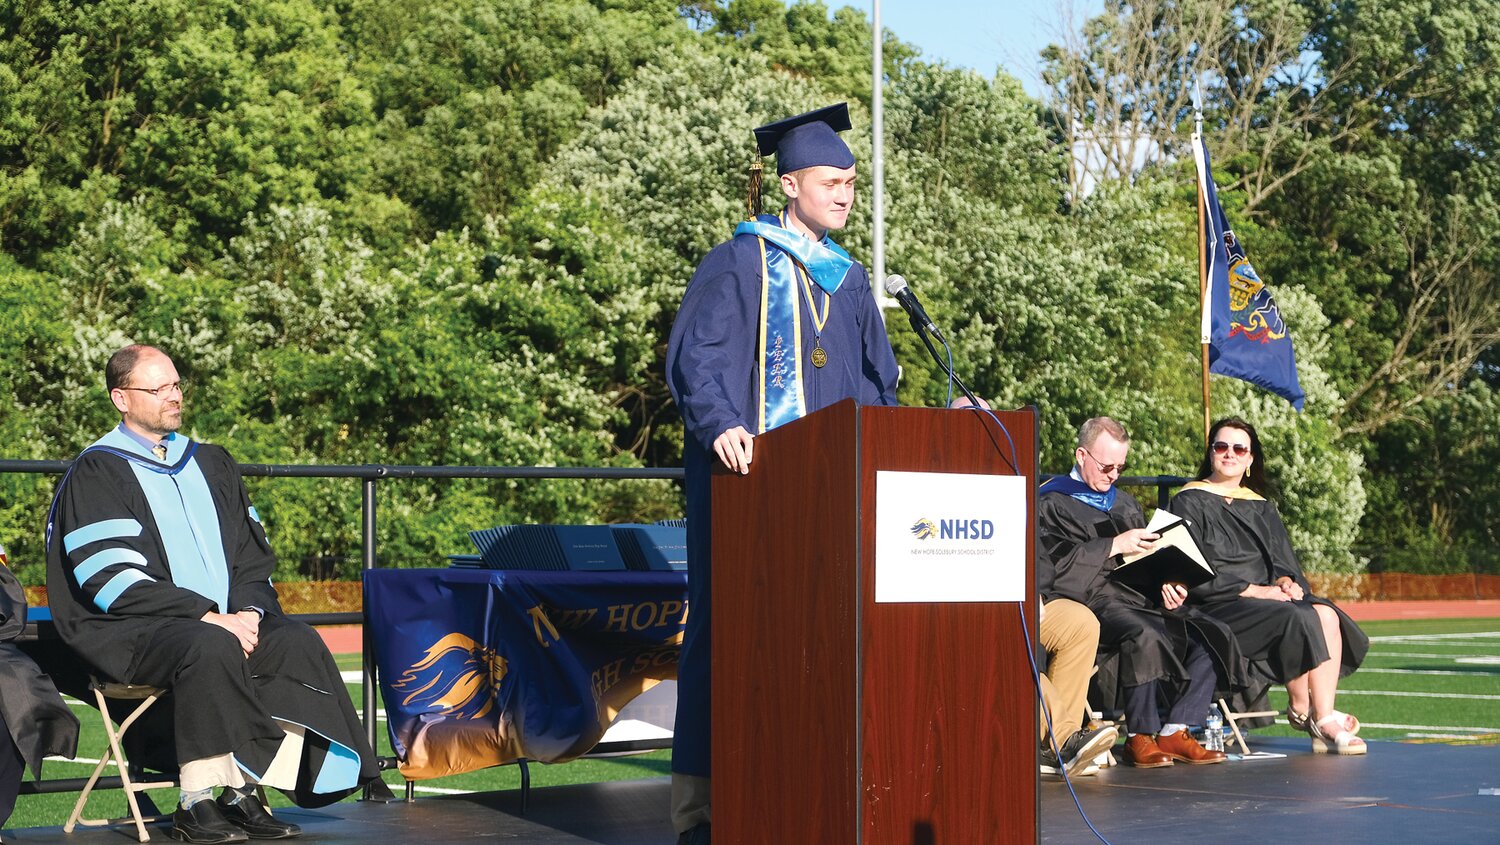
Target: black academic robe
(279,682)
(101,487)
(34,721)
(1246,543)
(711,367)
(1073,542)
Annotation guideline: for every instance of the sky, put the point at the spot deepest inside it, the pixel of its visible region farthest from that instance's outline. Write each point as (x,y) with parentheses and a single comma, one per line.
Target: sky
(981,34)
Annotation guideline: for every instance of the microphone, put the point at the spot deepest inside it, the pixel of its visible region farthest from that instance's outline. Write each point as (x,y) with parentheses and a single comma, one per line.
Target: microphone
(895,286)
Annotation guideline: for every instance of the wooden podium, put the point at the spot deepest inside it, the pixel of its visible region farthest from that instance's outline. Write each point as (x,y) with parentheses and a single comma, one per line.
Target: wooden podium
(840,720)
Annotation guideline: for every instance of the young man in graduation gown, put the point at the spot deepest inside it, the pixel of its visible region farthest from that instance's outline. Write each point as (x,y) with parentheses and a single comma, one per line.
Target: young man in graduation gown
(158,573)
(777,323)
(1084,524)
(34,721)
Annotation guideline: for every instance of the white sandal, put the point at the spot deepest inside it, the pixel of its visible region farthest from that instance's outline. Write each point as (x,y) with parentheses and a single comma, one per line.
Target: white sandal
(1351,724)
(1300,721)
(1341,741)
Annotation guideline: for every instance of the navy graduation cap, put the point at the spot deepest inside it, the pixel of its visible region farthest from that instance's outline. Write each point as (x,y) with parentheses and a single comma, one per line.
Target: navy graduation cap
(807,140)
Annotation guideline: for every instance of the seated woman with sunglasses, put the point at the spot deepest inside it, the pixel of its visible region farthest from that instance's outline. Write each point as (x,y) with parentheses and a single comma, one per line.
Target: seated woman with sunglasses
(1259,591)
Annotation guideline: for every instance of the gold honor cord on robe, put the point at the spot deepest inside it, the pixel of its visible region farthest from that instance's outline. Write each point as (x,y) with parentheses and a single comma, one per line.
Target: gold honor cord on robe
(1227,491)
(819,357)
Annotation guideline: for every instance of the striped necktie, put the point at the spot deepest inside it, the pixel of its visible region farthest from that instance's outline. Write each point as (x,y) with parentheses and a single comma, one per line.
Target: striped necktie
(160,451)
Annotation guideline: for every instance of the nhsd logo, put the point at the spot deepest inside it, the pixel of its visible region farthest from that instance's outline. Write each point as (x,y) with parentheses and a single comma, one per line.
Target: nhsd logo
(456,677)
(953,529)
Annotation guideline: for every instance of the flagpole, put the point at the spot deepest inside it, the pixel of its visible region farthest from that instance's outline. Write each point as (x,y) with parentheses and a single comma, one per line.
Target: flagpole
(1202,255)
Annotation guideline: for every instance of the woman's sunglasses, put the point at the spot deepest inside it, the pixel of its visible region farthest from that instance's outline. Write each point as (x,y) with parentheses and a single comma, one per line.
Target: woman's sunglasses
(1240,449)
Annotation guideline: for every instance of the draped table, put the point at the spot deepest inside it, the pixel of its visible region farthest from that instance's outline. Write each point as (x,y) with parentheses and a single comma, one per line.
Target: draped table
(483,667)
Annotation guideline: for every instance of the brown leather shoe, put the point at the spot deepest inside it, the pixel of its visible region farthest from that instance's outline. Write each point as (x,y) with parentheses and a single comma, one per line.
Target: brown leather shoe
(1141,752)
(1182,747)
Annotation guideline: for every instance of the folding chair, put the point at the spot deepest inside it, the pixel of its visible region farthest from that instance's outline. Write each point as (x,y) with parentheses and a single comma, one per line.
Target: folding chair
(103,693)
(1112,714)
(1233,719)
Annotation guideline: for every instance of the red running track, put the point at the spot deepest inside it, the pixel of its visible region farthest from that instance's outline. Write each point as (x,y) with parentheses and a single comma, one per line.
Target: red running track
(347,639)
(1367,611)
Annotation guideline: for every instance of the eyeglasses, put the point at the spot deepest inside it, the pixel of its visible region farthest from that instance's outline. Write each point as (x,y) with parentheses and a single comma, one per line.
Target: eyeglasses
(1104,468)
(164,389)
(1240,449)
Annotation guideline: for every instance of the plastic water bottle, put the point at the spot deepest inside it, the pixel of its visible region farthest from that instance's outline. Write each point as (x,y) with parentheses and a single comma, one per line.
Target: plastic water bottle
(1213,729)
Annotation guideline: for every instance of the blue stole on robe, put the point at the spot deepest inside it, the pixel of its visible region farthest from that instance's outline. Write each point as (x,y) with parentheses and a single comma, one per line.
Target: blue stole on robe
(183,506)
(1068,485)
(779,358)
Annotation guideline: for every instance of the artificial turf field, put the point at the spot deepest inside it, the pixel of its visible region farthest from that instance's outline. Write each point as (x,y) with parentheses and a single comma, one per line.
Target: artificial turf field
(1424,681)
(1432,680)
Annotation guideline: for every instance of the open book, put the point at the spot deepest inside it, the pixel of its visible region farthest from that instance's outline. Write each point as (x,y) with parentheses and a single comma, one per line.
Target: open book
(1175,558)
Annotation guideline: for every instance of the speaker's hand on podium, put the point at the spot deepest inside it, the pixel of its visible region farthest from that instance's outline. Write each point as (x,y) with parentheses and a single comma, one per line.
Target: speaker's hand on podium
(735,448)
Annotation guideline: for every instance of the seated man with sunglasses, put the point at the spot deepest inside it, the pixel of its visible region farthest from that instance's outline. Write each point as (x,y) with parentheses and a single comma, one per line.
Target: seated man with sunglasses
(1169,656)
(159,573)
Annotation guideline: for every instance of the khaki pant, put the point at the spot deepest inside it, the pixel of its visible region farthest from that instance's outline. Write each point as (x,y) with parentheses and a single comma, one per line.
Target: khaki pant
(1070,634)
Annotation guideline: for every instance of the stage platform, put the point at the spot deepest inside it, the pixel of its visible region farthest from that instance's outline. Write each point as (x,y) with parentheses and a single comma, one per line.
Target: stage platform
(1398,793)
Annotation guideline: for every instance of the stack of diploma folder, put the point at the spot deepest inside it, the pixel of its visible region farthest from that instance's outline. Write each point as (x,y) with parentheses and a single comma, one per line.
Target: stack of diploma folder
(1175,559)
(583,548)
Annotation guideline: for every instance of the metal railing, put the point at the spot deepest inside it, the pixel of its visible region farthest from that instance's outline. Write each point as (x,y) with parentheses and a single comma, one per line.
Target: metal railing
(369,475)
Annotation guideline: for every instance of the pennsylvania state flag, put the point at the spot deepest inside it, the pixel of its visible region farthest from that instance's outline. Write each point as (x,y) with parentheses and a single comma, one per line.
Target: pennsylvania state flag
(1241,324)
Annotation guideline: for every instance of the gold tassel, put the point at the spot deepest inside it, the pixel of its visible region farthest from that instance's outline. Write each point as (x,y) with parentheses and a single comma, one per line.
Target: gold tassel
(752,202)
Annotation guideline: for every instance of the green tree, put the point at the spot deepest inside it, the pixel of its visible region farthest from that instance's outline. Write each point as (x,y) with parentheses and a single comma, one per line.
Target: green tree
(1357,147)
(448,357)
(208,111)
(668,158)
(475,97)
(32,330)
(1441,514)
(803,39)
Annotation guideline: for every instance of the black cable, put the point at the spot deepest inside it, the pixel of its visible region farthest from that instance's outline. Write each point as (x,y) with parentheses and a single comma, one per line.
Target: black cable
(947,366)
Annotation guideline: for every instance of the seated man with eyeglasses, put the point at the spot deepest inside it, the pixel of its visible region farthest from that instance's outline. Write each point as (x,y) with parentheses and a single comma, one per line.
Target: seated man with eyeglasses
(1168,656)
(159,574)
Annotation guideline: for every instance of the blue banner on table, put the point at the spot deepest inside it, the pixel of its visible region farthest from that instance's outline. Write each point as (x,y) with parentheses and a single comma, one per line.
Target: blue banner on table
(1246,335)
(479,668)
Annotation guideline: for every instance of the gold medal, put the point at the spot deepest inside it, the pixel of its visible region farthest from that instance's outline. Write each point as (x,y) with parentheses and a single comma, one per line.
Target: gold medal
(819,357)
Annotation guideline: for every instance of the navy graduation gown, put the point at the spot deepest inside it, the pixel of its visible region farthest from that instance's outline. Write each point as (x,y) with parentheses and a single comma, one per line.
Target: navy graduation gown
(711,371)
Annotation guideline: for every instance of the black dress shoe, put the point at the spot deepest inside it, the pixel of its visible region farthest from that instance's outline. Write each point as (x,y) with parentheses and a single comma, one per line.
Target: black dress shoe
(204,825)
(695,835)
(249,815)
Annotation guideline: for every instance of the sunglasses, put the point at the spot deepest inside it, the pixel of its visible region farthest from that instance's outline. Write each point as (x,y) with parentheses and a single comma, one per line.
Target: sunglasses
(1240,449)
(1104,468)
